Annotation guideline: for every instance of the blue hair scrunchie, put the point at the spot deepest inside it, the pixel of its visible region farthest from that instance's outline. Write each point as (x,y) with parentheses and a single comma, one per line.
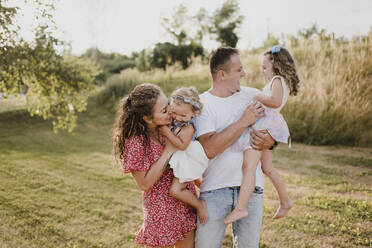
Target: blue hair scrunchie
(275,49)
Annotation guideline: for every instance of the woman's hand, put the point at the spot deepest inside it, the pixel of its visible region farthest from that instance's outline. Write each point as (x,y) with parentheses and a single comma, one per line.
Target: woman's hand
(261,140)
(198,182)
(165,130)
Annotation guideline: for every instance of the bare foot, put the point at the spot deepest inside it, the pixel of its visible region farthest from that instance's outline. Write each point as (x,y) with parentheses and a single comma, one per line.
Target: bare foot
(235,215)
(202,213)
(283,210)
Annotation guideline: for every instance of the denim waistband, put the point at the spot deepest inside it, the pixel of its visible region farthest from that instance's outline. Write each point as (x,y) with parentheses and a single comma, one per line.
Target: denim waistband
(257,189)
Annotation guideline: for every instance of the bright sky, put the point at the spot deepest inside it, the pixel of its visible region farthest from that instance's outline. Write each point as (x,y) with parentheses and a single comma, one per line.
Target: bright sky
(131,25)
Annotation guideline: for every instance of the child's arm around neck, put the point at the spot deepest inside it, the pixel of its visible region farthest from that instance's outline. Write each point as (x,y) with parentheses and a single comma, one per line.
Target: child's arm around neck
(275,100)
(182,140)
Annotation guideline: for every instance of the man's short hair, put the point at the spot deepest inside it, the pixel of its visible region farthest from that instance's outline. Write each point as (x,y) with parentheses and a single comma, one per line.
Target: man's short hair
(219,59)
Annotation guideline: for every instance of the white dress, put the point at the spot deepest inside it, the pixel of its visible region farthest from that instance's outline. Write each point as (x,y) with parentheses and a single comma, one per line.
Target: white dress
(191,163)
(273,121)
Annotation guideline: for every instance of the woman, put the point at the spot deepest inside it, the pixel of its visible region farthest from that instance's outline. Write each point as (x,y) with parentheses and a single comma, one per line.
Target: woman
(145,154)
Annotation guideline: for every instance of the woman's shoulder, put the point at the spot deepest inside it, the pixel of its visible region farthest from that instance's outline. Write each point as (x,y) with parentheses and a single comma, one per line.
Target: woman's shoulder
(134,158)
(137,141)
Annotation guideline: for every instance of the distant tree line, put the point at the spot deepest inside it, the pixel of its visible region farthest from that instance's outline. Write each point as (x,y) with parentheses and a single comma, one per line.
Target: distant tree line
(110,63)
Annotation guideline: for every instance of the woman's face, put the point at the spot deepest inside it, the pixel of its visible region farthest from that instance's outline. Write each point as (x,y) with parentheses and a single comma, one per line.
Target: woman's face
(160,112)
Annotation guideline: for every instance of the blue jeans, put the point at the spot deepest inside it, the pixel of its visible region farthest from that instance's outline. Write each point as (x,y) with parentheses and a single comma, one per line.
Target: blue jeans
(221,202)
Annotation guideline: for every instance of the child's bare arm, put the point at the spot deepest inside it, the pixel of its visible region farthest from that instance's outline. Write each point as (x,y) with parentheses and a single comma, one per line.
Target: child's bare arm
(275,100)
(180,141)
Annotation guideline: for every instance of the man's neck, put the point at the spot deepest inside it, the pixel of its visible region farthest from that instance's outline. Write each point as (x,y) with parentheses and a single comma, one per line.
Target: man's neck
(219,91)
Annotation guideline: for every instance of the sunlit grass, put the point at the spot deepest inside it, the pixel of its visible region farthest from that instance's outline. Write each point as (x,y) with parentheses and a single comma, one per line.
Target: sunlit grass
(64,190)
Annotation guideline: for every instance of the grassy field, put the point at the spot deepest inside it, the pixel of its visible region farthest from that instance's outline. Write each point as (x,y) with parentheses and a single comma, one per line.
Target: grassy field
(64,190)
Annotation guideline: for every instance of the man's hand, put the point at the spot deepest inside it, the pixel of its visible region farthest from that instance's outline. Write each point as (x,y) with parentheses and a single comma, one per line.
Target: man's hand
(253,111)
(261,140)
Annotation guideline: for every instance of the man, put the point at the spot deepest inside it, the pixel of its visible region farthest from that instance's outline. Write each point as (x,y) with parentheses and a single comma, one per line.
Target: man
(217,129)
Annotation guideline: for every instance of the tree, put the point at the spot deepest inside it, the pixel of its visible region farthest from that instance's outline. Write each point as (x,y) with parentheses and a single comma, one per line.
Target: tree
(225,22)
(221,26)
(110,63)
(177,25)
(143,61)
(57,83)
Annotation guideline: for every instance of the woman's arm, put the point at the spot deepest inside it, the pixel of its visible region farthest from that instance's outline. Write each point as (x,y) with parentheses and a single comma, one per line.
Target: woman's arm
(275,100)
(182,140)
(146,179)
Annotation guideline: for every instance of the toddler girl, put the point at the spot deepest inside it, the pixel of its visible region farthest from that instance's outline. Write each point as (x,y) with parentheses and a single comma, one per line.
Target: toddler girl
(190,161)
(279,69)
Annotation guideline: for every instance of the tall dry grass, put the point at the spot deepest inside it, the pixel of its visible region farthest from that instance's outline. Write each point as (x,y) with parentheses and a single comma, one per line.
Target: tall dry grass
(334,102)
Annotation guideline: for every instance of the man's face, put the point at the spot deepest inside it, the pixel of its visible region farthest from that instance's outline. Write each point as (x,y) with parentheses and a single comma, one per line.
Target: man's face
(234,73)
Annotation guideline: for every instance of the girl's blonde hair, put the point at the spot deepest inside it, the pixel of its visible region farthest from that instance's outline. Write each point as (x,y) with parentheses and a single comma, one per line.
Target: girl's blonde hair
(284,65)
(188,95)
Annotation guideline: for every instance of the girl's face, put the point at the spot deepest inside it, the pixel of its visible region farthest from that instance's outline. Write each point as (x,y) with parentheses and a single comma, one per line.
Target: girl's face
(182,112)
(267,68)
(160,112)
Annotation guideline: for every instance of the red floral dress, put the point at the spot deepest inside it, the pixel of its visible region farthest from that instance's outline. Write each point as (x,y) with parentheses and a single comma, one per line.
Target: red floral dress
(165,219)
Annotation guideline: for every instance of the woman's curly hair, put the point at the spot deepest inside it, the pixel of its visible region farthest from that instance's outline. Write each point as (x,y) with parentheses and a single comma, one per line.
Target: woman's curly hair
(130,113)
(284,65)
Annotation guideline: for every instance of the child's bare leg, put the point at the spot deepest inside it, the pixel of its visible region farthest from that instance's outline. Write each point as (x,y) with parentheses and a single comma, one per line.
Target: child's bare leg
(180,192)
(251,158)
(278,182)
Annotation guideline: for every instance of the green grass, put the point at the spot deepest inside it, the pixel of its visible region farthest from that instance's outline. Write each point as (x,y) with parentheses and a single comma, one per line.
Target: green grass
(65,190)
(347,160)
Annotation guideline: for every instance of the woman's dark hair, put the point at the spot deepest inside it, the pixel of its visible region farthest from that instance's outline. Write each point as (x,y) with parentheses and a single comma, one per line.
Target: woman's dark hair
(130,113)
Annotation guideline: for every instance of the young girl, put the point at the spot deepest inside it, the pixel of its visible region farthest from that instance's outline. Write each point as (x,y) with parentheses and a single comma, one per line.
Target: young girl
(280,71)
(190,161)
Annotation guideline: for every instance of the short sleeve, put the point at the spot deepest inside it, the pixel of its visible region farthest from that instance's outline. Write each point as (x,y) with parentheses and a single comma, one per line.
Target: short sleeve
(134,158)
(249,92)
(204,123)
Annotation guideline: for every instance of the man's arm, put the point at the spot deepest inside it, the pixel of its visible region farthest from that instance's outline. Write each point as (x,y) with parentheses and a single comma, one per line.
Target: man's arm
(215,143)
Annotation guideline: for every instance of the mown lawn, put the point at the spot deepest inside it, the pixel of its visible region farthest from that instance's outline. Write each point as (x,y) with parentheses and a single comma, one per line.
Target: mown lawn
(65,190)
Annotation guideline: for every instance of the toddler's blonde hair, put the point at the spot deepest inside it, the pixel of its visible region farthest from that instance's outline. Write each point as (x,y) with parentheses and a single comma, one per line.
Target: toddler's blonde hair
(190,93)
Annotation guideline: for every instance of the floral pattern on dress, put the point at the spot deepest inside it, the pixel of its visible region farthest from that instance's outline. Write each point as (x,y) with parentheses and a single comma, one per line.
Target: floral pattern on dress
(166,220)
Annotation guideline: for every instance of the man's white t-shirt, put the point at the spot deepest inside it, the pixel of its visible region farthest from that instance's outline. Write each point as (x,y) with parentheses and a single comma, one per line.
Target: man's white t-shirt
(218,113)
